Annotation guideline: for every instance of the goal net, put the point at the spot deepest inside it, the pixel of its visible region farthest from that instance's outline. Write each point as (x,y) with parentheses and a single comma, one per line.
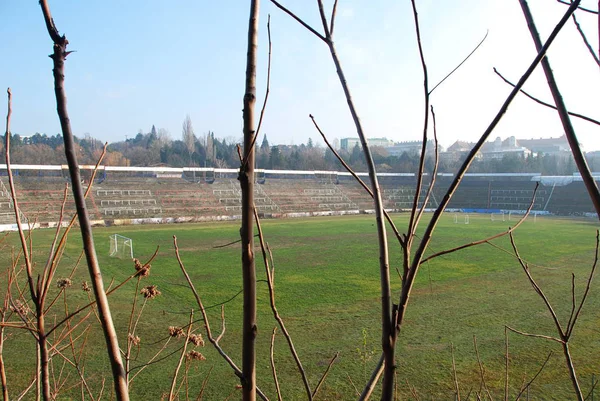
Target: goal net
(497,216)
(120,246)
(461,218)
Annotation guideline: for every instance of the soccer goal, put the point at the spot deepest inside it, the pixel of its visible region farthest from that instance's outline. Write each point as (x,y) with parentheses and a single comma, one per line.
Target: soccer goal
(121,247)
(460,219)
(497,216)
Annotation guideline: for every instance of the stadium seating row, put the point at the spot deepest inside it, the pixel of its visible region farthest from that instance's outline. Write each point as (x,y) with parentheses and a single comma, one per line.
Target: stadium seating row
(115,196)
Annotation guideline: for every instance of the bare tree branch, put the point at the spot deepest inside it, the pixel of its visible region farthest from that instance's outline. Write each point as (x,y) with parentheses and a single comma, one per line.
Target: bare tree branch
(587,10)
(481,369)
(488,239)
(387,335)
(373,380)
(572,322)
(534,377)
(454,374)
(412,224)
(461,63)
(322,380)
(585,41)
(580,160)
(332,19)
(211,339)
(271,285)
(426,239)
(273,370)
(304,24)
(358,179)
(267,91)
(505,364)
(589,119)
(172,394)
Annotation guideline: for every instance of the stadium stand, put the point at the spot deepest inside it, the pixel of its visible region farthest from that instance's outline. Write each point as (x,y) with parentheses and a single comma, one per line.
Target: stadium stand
(121,193)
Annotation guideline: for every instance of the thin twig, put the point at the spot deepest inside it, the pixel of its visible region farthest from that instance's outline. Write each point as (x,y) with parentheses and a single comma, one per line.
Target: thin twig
(273,369)
(535,99)
(461,63)
(332,19)
(172,394)
(587,10)
(433,172)
(358,179)
(304,24)
(481,369)
(505,364)
(413,221)
(278,318)
(534,377)
(204,383)
(267,90)
(558,340)
(488,239)
(571,326)
(538,290)
(209,335)
(585,41)
(322,380)
(454,374)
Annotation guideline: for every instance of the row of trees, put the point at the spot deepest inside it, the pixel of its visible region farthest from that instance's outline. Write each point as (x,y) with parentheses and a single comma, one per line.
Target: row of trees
(156,147)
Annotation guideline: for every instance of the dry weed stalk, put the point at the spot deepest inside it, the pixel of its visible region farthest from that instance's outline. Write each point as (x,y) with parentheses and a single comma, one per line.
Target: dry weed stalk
(50,342)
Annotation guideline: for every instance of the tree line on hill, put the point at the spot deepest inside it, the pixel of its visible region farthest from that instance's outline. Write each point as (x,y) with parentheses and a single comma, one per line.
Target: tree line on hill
(157,148)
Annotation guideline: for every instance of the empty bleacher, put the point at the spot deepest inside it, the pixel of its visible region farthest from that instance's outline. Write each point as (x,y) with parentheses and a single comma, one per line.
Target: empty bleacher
(192,194)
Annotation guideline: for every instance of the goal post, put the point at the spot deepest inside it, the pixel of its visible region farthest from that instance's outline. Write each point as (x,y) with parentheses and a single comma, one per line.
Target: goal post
(497,216)
(461,218)
(121,246)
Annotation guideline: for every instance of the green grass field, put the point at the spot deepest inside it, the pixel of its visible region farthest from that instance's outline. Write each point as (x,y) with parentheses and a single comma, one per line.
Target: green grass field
(327,283)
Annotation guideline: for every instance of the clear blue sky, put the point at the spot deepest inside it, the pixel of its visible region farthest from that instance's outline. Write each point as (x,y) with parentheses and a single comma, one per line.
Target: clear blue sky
(148,62)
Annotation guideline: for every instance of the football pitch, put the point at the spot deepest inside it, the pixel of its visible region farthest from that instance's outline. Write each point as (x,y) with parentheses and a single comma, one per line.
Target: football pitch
(327,292)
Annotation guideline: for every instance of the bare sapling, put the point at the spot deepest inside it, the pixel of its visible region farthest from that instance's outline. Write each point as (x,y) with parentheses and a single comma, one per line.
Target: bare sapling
(59,56)
(564,331)
(246,178)
(392,320)
(388,338)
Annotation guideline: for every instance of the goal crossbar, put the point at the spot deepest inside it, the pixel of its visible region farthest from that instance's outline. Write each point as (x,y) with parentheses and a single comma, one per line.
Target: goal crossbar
(121,246)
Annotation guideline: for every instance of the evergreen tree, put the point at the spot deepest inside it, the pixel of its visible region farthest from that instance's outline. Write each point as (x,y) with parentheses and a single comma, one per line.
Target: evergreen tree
(264,146)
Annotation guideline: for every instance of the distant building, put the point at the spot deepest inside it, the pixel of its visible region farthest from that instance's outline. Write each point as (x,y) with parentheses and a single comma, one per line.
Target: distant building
(546,145)
(500,148)
(410,147)
(496,149)
(393,148)
(348,144)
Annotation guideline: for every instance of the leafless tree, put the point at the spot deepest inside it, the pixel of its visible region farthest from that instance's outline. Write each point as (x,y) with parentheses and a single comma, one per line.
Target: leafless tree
(188,137)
